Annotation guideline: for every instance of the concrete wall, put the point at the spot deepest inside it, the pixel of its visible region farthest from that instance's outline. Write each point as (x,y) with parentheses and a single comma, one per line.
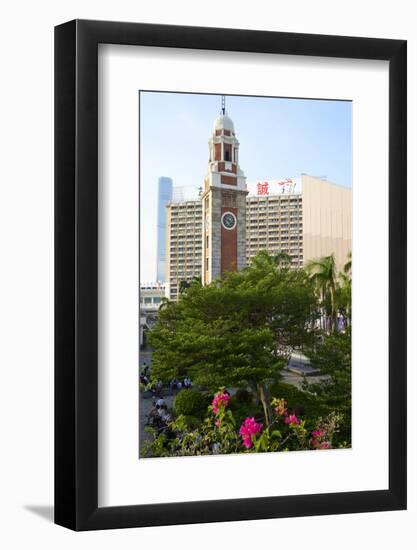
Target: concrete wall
(327,220)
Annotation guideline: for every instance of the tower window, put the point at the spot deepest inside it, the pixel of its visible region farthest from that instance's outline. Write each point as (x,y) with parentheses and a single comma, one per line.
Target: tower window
(217,151)
(227,152)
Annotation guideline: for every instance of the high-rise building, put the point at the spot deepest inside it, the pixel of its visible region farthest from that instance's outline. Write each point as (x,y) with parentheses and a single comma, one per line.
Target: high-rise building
(304,217)
(184,223)
(164,197)
(327,220)
(274,223)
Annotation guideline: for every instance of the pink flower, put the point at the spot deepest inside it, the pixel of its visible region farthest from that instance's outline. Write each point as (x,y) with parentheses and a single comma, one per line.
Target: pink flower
(280,407)
(220,401)
(291,419)
(218,423)
(247,441)
(317,441)
(248,429)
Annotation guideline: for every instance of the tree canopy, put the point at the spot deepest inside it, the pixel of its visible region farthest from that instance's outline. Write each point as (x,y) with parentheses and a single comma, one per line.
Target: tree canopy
(239,330)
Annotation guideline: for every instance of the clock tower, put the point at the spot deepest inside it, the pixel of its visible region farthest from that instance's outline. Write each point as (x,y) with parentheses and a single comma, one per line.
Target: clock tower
(223,203)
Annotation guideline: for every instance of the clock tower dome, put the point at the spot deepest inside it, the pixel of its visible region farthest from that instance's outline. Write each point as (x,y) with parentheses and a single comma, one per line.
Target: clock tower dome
(223,203)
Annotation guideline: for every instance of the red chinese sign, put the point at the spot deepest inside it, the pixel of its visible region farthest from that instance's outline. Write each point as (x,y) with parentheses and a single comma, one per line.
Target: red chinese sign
(272,187)
(285,182)
(263,188)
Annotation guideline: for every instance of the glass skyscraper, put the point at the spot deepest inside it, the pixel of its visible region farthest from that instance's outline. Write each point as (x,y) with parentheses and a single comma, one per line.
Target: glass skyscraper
(164,196)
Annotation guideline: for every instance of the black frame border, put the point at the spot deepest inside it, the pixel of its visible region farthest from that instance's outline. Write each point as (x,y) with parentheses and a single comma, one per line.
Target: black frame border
(76,269)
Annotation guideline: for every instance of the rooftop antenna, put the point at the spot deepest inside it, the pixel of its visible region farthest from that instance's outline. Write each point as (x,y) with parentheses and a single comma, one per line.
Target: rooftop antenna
(223,105)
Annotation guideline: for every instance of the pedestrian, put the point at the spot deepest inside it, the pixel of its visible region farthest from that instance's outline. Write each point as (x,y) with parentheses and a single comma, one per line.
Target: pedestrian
(173,385)
(160,402)
(164,415)
(158,388)
(152,416)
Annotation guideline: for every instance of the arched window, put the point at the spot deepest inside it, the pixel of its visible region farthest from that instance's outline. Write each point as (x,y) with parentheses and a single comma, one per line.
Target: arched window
(227,152)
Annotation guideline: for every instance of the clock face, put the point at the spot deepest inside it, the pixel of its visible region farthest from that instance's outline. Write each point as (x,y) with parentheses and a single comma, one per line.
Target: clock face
(229,220)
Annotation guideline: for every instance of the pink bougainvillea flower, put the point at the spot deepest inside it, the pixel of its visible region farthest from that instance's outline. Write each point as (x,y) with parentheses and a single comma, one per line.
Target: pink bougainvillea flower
(220,401)
(317,441)
(291,419)
(247,441)
(247,430)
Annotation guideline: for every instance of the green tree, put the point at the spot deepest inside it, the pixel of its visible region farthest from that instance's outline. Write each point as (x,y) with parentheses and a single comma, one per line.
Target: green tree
(345,300)
(332,354)
(344,297)
(185,285)
(240,330)
(347,268)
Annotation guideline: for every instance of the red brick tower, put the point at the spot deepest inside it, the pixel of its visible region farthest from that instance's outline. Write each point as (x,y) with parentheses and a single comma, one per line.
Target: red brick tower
(224,203)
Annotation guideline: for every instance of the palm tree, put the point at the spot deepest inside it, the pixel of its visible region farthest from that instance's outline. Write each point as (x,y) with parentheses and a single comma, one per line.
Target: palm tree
(265,260)
(346,288)
(322,272)
(347,268)
(282,258)
(345,297)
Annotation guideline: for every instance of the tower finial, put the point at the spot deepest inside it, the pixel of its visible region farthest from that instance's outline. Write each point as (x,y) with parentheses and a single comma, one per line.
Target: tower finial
(223,111)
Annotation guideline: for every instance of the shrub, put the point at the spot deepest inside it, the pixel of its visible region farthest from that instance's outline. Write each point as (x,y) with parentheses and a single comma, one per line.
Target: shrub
(298,401)
(221,433)
(288,391)
(242,410)
(294,397)
(312,407)
(243,396)
(192,422)
(190,403)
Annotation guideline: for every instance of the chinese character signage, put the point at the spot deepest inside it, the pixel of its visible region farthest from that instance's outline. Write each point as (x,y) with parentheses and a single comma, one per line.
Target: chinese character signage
(284,186)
